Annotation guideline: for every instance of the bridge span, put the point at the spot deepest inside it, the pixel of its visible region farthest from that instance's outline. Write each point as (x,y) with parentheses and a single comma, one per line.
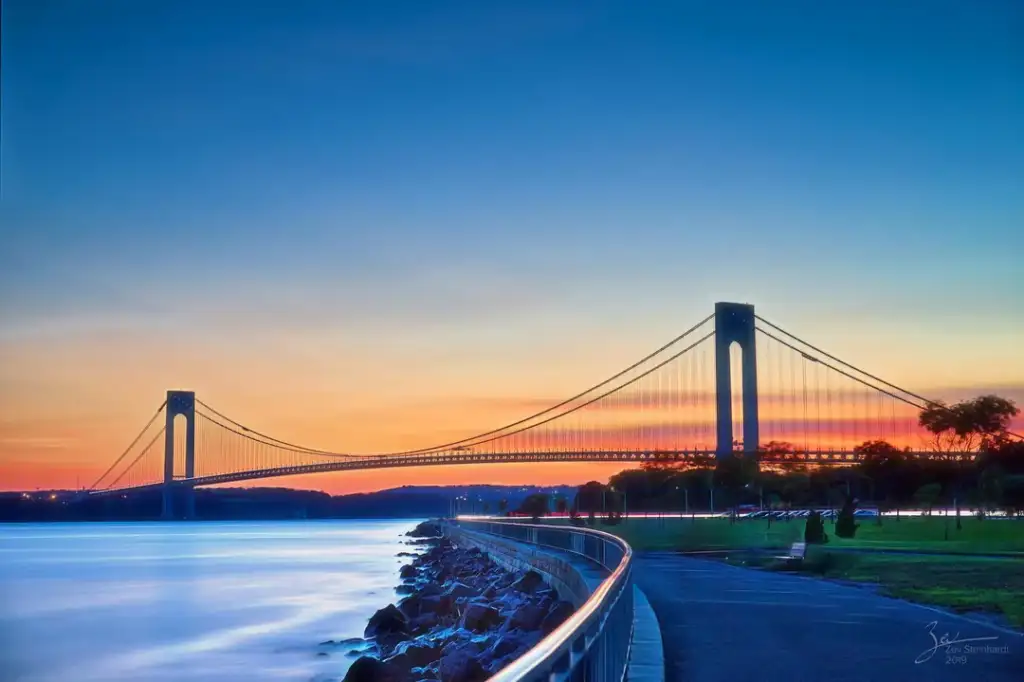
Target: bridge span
(734,383)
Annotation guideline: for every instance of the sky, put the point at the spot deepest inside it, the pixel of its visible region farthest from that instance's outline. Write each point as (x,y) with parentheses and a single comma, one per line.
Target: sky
(369,226)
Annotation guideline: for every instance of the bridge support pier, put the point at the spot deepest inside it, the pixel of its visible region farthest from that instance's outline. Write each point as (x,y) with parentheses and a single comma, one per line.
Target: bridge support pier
(734,323)
(183,403)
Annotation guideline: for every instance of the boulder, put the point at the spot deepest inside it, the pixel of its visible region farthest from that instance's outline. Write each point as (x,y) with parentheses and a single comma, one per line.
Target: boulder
(408,572)
(461,666)
(423,624)
(458,589)
(528,617)
(529,583)
(506,644)
(415,654)
(369,669)
(556,616)
(478,617)
(387,621)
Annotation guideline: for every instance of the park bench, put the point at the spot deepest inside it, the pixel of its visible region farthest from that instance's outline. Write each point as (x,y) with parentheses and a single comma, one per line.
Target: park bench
(796,552)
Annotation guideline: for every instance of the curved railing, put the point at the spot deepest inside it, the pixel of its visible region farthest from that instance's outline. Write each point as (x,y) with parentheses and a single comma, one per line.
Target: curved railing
(593,643)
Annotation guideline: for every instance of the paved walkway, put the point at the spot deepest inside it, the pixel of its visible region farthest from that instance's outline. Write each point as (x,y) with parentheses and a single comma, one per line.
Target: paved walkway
(723,623)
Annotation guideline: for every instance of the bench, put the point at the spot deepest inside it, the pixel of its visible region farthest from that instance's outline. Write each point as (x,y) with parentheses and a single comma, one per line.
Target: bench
(796,552)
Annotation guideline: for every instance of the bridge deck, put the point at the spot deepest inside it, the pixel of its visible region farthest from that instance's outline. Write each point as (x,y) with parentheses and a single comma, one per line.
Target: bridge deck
(722,623)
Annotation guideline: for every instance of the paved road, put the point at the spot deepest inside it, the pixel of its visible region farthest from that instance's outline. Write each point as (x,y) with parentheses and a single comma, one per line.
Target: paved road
(730,624)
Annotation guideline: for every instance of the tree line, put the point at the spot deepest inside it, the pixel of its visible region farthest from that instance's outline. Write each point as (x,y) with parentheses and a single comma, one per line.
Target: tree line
(978,463)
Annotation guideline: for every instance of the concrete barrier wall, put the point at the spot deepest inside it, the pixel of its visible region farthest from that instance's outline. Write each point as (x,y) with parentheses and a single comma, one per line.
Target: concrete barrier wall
(575,579)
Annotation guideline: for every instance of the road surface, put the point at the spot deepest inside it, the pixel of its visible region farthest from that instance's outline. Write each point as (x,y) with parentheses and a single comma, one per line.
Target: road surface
(723,623)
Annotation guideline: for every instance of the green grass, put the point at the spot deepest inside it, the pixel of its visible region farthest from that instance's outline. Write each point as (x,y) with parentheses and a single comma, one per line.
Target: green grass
(910,533)
(930,533)
(960,583)
(701,534)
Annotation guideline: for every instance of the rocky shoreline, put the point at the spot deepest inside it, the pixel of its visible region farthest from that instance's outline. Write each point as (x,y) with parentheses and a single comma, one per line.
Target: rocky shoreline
(464,617)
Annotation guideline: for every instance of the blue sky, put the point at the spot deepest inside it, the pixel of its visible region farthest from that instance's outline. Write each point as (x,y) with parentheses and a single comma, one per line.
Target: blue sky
(529,175)
(332,141)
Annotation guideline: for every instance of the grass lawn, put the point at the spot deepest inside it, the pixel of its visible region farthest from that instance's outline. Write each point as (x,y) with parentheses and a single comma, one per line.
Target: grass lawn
(961,583)
(929,534)
(912,533)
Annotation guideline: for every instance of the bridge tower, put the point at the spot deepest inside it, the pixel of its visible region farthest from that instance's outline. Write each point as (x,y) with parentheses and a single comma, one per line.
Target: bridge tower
(183,403)
(734,323)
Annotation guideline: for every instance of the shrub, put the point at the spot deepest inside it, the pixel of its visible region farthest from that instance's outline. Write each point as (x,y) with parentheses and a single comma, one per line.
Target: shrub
(846,524)
(814,531)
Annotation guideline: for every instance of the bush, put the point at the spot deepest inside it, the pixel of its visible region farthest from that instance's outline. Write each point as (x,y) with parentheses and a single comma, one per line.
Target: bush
(823,562)
(814,531)
(846,524)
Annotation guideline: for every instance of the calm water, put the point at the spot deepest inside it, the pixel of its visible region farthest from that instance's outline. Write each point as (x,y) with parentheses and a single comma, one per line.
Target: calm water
(189,601)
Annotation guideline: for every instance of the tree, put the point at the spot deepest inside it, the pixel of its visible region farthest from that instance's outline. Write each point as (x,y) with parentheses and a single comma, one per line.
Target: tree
(782,455)
(590,498)
(990,488)
(503,507)
(1013,495)
(814,531)
(1008,454)
(846,524)
(927,495)
(535,506)
(561,504)
(969,424)
(965,426)
(889,470)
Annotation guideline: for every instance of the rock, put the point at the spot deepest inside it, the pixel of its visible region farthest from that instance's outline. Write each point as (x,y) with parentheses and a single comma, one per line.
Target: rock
(460,666)
(528,617)
(556,616)
(458,589)
(416,654)
(431,589)
(405,589)
(548,594)
(369,669)
(387,621)
(323,654)
(408,572)
(410,606)
(506,644)
(497,664)
(427,529)
(478,617)
(529,583)
(424,623)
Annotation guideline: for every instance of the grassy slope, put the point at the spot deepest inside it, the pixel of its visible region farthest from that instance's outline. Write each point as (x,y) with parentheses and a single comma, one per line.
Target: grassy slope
(962,583)
(914,533)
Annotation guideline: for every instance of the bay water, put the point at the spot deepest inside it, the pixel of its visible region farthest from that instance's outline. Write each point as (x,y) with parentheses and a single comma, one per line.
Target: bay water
(112,602)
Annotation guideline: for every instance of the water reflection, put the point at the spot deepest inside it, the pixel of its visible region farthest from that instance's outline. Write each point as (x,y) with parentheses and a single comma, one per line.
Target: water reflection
(195,601)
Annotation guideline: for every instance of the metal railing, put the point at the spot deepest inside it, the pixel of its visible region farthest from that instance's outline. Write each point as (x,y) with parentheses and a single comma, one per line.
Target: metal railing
(594,642)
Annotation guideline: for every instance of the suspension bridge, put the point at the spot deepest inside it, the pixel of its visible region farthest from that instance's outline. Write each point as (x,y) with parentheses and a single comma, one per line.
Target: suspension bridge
(732,383)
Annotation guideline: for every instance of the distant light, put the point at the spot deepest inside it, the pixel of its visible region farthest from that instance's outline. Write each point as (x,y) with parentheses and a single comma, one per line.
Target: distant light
(53,496)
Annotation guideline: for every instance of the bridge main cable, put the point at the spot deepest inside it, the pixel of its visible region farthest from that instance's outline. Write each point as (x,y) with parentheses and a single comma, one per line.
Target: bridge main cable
(928,402)
(481,439)
(476,439)
(579,395)
(137,458)
(129,448)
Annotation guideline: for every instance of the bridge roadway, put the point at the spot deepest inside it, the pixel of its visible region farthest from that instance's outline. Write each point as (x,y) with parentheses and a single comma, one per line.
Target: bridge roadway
(341,462)
(723,623)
